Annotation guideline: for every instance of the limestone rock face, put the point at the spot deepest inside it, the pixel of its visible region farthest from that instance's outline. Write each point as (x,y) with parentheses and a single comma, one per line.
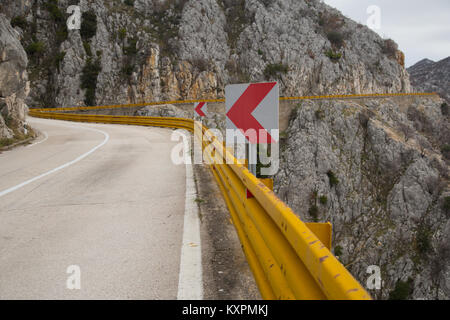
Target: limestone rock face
(14,86)
(297,34)
(14,8)
(381,179)
(165,110)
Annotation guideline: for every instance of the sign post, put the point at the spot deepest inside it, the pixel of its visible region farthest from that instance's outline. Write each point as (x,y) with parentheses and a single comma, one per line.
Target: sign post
(252,151)
(252,112)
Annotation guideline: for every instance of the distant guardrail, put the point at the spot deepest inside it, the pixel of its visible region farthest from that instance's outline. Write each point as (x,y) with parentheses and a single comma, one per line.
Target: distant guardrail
(289,259)
(154,103)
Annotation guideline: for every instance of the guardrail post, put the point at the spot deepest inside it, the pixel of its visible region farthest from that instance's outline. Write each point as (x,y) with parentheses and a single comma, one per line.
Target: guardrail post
(323,231)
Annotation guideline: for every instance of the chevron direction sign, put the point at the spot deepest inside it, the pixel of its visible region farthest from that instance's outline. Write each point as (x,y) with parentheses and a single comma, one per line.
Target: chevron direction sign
(201,108)
(252,111)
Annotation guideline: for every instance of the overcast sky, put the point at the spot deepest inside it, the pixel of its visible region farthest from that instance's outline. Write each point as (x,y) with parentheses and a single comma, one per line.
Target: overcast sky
(421,28)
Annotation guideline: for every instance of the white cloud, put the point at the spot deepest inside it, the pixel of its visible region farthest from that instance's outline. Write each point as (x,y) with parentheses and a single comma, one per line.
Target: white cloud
(421,28)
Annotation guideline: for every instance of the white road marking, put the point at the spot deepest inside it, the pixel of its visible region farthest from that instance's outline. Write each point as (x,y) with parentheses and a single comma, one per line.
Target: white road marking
(190,281)
(5,192)
(45,138)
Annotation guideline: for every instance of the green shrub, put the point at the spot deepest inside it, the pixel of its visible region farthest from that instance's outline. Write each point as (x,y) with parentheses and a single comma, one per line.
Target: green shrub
(87,48)
(19,21)
(129,3)
(62,34)
(321,20)
(338,251)
(260,52)
(445,150)
(273,70)
(423,240)
(323,200)
(236,20)
(59,18)
(89,80)
(313,211)
(283,135)
(334,56)
(52,7)
(336,38)
(35,48)
(446,205)
(332,177)
(402,290)
(444,109)
(320,114)
(9,120)
(88,25)
(128,69)
(122,33)
(59,58)
(4,142)
(131,49)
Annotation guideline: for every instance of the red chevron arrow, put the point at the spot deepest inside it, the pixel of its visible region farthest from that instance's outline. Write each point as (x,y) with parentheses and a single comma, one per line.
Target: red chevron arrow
(199,110)
(241,111)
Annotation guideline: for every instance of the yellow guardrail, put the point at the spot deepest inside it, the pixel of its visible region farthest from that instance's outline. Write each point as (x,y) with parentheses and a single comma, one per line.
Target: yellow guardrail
(179,123)
(289,259)
(153,103)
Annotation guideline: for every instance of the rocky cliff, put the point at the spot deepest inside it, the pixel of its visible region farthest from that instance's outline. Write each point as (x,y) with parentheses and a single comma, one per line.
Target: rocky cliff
(375,169)
(430,76)
(14,86)
(130,51)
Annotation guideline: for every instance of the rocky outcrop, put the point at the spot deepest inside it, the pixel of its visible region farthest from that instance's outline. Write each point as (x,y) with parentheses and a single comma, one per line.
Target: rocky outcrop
(165,110)
(324,52)
(373,170)
(15,8)
(430,76)
(14,86)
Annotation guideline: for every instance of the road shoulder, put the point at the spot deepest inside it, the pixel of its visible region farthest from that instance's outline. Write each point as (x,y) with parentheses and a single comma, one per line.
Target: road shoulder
(226,273)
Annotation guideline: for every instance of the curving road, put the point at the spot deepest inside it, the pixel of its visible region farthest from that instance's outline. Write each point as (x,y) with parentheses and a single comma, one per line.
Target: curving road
(105,198)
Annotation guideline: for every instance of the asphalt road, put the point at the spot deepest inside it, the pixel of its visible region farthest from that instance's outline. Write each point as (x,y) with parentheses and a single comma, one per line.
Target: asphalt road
(104,198)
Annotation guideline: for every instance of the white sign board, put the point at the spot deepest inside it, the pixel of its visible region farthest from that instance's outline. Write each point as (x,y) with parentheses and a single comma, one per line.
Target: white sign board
(253,109)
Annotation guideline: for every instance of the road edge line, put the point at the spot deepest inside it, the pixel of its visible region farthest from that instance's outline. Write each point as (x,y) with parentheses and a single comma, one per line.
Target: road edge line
(190,281)
(43,140)
(67,164)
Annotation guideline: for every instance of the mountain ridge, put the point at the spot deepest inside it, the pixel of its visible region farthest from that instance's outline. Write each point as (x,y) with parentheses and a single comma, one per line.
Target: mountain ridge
(430,76)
